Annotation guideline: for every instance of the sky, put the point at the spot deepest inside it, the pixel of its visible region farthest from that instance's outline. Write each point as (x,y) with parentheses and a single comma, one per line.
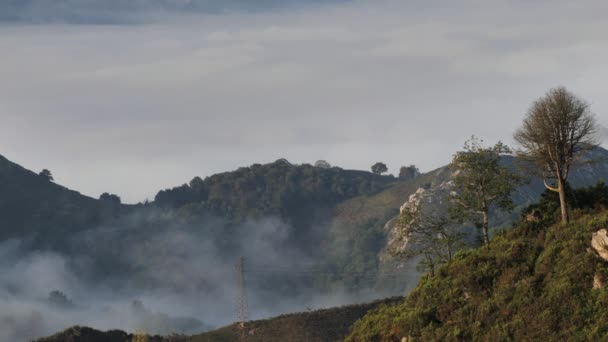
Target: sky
(131,97)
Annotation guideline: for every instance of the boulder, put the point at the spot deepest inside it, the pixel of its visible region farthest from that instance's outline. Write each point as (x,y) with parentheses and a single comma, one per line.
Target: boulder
(599,242)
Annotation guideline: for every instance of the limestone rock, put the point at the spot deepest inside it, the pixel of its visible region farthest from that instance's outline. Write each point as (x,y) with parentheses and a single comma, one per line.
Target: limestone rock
(599,242)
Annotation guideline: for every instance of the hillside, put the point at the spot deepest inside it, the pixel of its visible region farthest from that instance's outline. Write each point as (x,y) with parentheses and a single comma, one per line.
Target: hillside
(315,326)
(299,194)
(32,205)
(326,325)
(365,224)
(314,231)
(537,281)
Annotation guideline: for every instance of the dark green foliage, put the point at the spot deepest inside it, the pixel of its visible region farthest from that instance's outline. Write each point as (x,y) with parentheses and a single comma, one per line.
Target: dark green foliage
(322,164)
(481,183)
(379,168)
(408,172)
(534,283)
(46,174)
(110,198)
(84,334)
(587,199)
(292,192)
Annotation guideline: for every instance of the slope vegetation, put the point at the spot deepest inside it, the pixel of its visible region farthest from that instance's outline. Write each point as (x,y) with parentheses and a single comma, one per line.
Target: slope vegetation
(314,326)
(537,281)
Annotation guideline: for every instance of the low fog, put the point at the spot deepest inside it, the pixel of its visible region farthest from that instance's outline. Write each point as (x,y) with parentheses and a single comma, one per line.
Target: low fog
(149,273)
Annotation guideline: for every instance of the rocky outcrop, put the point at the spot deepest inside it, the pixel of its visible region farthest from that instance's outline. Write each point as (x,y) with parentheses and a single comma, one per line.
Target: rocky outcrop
(434,200)
(599,243)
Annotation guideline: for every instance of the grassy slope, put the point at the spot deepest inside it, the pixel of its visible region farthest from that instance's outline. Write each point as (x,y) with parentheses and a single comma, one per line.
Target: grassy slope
(315,326)
(534,283)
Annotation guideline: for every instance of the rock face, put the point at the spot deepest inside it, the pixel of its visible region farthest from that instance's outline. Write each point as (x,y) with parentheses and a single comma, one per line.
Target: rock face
(599,242)
(434,200)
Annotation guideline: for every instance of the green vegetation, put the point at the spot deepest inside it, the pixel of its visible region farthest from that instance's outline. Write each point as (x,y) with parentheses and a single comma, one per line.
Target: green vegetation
(481,184)
(357,232)
(408,172)
(434,237)
(534,283)
(84,334)
(292,192)
(379,168)
(322,325)
(314,326)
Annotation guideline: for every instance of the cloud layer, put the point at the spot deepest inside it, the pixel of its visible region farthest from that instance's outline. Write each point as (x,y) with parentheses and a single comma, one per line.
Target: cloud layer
(128,11)
(133,108)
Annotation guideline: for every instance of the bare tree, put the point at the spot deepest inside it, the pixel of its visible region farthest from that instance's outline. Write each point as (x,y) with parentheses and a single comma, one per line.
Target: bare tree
(557,131)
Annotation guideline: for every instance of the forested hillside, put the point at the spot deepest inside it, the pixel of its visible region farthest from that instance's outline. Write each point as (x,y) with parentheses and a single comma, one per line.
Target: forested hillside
(296,193)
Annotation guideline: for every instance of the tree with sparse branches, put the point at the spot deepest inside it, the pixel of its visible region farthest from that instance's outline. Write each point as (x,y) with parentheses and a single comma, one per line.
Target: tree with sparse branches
(421,233)
(557,132)
(379,168)
(481,184)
